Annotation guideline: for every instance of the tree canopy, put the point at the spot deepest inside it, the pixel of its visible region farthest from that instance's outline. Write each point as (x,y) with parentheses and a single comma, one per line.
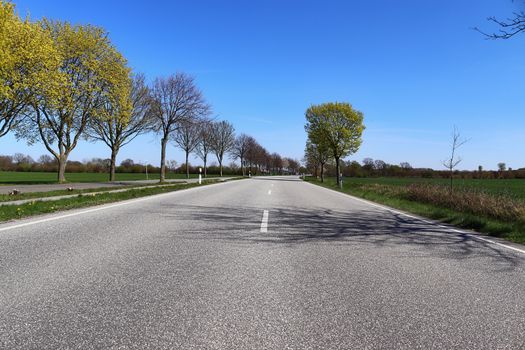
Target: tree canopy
(336,126)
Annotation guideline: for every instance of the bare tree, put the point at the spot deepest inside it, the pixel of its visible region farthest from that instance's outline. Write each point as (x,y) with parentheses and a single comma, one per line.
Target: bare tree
(251,153)
(508,27)
(239,150)
(171,165)
(405,165)
(276,163)
(117,128)
(454,159)
(204,145)
(293,165)
(187,137)
(222,140)
(176,99)
(258,157)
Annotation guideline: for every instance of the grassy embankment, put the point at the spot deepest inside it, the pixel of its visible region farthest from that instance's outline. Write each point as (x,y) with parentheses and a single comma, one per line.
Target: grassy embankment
(10,212)
(493,207)
(13,177)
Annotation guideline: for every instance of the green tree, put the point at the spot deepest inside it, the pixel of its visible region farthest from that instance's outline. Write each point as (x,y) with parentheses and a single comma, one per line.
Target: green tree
(337,126)
(28,60)
(89,66)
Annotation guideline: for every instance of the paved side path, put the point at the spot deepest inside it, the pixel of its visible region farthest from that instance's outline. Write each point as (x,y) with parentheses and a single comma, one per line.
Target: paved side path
(266,263)
(130,187)
(5,189)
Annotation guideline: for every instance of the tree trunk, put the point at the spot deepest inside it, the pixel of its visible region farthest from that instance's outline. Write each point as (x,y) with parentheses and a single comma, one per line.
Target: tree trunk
(205,166)
(187,167)
(338,171)
(62,161)
(220,167)
(242,168)
(163,144)
(112,166)
(322,172)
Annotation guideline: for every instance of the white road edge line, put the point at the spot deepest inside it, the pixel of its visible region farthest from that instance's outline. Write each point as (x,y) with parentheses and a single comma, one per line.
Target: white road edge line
(106,206)
(269,192)
(264,222)
(470,235)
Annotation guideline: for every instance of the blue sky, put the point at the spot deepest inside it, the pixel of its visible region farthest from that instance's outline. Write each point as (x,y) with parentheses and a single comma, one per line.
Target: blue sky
(414,68)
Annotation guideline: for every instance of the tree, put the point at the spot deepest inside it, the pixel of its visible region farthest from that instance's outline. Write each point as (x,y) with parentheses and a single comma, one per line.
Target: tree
(276,163)
(204,145)
(127,163)
(89,64)
(507,28)
(317,156)
(171,165)
(20,158)
(222,140)
(239,150)
(338,126)
(175,99)
(380,165)
(123,116)
(502,167)
(405,166)
(293,165)
(254,149)
(28,60)
(46,159)
(454,159)
(187,137)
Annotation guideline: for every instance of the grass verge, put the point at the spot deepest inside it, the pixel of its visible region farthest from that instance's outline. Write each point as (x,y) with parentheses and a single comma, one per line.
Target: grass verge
(11,212)
(512,230)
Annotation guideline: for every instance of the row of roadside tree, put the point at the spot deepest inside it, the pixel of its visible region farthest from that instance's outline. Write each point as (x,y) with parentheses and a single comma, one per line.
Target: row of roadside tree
(60,83)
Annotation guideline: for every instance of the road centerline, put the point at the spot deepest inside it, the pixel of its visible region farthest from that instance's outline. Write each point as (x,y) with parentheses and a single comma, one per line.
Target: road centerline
(264,222)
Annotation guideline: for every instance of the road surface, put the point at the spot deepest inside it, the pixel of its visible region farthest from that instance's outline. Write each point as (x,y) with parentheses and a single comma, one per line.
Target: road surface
(266,263)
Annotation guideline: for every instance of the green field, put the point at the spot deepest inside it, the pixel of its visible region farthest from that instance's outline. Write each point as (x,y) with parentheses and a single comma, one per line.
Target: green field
(11,177)
(509,187)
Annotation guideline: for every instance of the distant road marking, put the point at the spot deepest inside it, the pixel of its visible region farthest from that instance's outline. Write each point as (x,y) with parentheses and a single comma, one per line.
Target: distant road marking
(433,223)
(269,191)
(264,222)
(271,185)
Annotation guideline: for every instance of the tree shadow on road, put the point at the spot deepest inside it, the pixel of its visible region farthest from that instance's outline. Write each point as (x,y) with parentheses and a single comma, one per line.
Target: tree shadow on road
(361,228)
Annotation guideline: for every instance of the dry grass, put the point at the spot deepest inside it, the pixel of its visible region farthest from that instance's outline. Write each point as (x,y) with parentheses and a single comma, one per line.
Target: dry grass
(467,200)
(475,202)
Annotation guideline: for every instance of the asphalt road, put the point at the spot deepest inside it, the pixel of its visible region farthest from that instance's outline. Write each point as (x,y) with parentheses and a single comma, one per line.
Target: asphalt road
(208,268)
